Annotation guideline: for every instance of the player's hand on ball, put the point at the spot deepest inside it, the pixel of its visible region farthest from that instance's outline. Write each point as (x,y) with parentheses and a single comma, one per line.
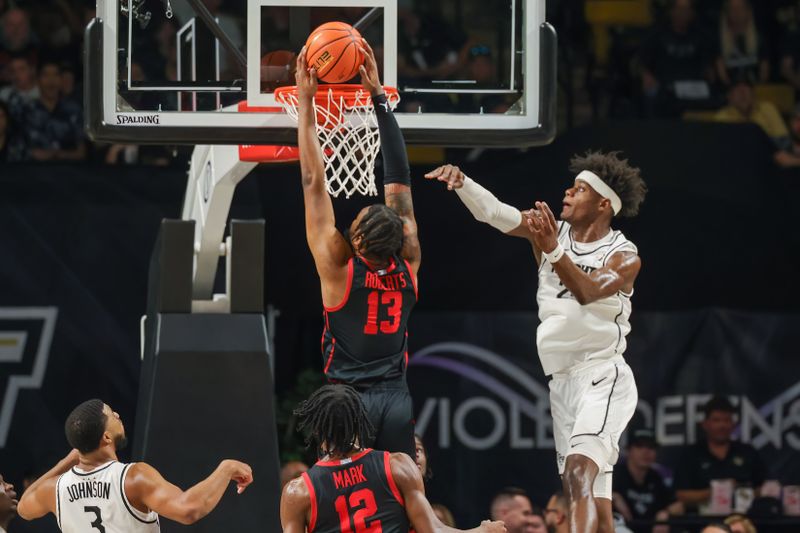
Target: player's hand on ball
(542,223)
(488,526)
(305,78)
(370,79)
(239,472)
(449,174)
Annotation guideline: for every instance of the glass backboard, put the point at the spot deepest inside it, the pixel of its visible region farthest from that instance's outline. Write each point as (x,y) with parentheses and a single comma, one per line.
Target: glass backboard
(469,72)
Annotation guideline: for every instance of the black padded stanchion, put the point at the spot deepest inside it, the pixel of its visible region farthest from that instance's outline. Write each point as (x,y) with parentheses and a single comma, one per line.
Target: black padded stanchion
(206,392)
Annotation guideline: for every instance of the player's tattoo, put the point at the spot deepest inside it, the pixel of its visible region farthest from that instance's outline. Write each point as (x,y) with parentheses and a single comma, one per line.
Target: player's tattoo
(401,203)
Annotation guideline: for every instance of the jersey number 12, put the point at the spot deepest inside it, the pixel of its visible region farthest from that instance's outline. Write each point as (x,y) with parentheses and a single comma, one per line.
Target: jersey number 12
(363,503)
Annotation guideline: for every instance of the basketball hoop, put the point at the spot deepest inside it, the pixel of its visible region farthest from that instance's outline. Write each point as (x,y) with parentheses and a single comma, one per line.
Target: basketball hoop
(347,131)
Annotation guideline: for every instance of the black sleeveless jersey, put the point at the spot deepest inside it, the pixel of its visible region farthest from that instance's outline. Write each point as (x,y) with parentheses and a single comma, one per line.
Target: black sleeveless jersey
(365,339)
(355,494)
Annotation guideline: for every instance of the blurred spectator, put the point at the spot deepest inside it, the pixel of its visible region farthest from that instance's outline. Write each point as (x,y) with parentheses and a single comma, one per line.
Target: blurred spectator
(677,63)
(53,126)
(292,470)
(8,504)
(23,88)
(716,528)
(422,458)
(428,47)
(12,146)
(742,47)
(60,26)
(640,493)
(790,158)
(17,35)
(71,87)
(556,515)
(513,506)
(744,107)
(443,514)
(717,457)
(16,38)
(482,69)
(740,524)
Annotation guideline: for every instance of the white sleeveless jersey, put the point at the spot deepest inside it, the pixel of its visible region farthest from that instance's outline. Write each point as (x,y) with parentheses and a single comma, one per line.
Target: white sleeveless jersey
(95,502)
(570,333)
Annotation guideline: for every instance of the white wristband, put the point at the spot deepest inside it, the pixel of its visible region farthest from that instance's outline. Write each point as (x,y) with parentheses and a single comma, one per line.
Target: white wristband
(555,255)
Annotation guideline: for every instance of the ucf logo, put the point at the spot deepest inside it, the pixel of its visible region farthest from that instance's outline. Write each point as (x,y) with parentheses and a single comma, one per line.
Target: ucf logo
(26,334)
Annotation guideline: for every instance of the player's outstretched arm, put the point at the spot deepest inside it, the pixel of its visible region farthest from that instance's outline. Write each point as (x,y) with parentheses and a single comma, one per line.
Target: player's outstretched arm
(618,274)
(328,246)
(409,482)
(397,173)
(145,487)
(483,205)
(40,498)
(295,504)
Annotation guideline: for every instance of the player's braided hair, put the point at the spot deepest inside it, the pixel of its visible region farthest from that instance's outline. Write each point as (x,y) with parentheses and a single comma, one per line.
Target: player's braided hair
(335,416)
(381,232)
(85,426)
(617,173)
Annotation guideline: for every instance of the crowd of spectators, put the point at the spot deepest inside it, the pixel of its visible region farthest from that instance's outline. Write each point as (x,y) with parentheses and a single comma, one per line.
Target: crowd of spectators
(697,60)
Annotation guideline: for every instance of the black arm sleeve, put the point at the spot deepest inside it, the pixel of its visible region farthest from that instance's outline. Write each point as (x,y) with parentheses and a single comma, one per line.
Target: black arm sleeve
(393,146)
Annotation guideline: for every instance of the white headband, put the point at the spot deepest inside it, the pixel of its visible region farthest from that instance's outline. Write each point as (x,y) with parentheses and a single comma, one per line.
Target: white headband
(601,188)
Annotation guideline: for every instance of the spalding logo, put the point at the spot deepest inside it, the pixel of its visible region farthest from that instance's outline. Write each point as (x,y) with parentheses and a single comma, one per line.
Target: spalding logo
(138,119)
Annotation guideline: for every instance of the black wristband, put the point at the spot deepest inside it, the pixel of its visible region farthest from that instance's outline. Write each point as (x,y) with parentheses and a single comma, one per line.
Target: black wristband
(393,147)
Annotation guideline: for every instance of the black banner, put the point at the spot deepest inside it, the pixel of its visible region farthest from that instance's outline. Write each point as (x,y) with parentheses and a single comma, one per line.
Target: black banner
(482,406)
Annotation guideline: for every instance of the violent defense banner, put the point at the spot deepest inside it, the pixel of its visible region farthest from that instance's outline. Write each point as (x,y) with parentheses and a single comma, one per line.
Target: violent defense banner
(481,398)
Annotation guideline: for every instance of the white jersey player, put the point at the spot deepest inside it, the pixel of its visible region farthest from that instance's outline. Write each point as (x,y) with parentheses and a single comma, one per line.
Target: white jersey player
(91,490)
(96,499)
(586,272)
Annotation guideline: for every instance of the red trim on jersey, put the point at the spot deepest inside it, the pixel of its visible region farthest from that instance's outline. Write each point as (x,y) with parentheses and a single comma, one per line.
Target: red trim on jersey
(390,268)
(330,357)
(313,496)
(413,278)
(390,478)
(346,289)
(351,459)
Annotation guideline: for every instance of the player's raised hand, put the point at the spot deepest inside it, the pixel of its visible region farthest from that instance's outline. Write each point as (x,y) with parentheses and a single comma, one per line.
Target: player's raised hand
(542,223)
(489,526)
(370,78)
(239,472)
(305,78)
(449,174)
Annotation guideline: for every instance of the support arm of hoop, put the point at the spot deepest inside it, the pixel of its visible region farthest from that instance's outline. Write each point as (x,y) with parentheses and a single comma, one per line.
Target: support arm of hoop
(214,173)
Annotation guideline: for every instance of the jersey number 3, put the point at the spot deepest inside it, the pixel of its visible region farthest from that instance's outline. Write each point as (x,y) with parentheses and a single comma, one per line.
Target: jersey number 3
(98,523)
(393,302)
(363,503)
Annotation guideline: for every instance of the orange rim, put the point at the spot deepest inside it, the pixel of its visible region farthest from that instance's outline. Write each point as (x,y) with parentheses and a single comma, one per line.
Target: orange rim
(352,94)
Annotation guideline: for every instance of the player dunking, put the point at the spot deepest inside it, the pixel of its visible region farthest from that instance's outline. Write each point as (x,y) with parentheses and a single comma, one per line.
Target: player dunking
(91,490)
(586,275)
(368,278)
(354,488)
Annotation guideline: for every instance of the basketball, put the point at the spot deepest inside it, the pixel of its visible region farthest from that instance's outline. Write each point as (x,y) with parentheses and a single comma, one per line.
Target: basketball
(333,50)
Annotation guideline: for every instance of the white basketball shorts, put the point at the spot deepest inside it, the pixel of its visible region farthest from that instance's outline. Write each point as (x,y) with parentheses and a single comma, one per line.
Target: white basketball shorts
(591,406)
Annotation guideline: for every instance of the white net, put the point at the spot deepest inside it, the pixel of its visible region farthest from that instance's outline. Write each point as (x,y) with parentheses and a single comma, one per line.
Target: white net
(348,133)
